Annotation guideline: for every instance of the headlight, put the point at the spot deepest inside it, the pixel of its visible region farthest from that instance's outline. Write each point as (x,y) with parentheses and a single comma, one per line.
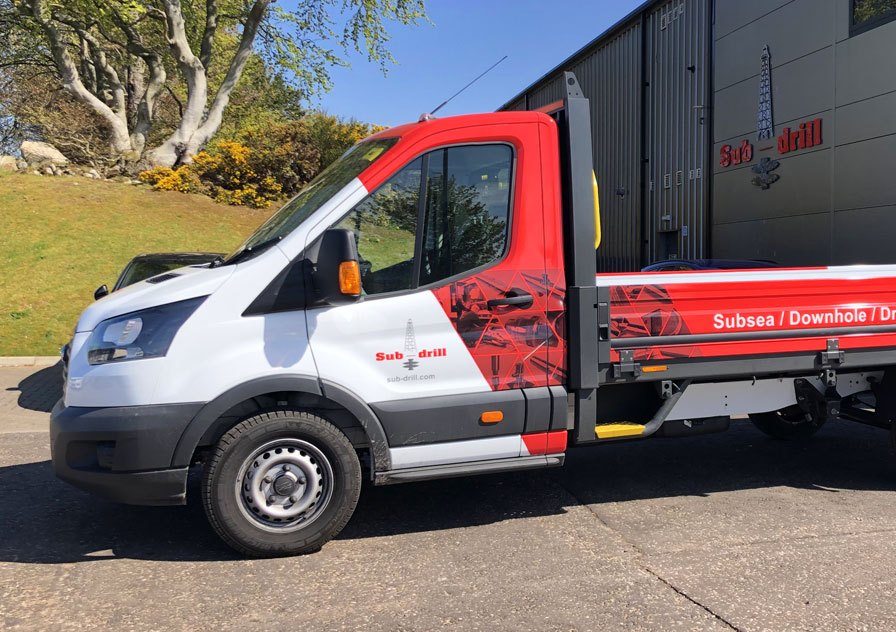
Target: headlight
(144,334)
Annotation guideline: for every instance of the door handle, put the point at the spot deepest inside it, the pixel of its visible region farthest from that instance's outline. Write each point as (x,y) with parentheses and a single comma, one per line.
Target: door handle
(520,300)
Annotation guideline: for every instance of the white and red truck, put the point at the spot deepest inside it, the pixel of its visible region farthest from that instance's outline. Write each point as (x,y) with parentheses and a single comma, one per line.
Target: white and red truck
(428,307)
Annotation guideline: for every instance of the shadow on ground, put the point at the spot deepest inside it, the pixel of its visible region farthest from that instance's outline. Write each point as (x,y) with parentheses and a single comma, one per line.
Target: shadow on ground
(44,521)
(40,391)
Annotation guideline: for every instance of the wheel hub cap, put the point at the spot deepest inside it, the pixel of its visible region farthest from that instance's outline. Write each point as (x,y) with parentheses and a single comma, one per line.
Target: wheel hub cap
(284,485)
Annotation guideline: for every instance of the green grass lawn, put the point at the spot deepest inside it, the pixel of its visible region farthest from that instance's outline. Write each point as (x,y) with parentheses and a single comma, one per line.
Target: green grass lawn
(62,237)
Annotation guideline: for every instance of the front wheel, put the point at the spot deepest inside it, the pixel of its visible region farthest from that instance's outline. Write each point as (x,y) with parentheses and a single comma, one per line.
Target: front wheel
(281,483)
(791,423)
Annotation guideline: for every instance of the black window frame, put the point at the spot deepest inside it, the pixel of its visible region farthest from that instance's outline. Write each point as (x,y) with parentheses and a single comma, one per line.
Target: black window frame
(856,29)
(421,210)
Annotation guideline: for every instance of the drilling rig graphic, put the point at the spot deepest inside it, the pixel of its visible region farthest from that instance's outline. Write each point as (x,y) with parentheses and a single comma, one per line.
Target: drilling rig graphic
(410,346)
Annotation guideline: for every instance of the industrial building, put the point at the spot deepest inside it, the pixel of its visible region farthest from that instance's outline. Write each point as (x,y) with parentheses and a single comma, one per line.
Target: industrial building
(749,130)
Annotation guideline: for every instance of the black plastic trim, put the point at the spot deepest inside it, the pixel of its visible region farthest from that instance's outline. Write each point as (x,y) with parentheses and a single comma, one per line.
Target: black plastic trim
(203,426)
(468,469)
(538,409)
(203,423)
(379,444)
(286,292)
(559,407)
(136,443)
(425,420)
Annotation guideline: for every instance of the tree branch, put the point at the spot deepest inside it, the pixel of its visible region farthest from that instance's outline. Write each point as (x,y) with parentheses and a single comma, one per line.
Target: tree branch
(101,62)
(197,85)
(157,78)
(208,35)
(243,53)
(71,80)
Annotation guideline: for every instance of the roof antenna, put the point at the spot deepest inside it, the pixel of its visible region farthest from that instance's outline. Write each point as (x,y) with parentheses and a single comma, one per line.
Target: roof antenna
(429,116)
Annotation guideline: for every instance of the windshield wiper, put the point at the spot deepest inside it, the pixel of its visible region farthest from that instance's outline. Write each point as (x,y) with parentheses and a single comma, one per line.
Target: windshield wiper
(253,250)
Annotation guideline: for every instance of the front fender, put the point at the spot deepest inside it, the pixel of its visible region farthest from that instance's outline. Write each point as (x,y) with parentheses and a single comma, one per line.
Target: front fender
(206,419)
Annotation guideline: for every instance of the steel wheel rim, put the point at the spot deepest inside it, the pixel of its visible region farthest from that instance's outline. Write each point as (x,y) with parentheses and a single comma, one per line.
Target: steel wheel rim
(284,485)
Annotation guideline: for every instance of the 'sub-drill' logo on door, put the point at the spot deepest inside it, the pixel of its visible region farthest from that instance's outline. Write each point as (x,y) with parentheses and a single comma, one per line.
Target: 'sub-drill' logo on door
(410,355)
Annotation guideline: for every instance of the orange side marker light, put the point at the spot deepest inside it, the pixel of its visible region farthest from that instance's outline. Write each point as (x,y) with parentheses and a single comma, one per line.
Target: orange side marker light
(350,278)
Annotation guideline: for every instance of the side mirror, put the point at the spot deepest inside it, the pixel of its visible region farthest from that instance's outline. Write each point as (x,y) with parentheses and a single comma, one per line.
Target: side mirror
(101,291)
(337,276)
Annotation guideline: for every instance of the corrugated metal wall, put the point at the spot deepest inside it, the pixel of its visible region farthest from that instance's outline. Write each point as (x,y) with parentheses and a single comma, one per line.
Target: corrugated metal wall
(611,73)
(677,124)
(609,77)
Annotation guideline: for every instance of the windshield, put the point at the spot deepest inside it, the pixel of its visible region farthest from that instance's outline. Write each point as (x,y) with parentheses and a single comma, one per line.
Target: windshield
(313,196)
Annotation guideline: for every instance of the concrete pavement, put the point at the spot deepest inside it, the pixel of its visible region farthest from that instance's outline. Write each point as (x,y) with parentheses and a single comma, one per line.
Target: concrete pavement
(728,531)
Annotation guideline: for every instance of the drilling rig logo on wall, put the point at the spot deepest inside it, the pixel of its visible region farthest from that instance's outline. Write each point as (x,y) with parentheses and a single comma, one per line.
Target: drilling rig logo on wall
(765,126)
(805,134)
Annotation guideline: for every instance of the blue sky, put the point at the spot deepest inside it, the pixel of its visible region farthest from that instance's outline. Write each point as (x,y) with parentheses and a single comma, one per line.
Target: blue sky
(467,36)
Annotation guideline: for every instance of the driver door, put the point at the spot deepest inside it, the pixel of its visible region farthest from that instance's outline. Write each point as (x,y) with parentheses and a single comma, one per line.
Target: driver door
(458,314)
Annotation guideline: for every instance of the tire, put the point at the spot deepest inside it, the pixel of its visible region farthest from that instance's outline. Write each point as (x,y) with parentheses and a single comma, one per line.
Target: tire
(281,483)
(789,424)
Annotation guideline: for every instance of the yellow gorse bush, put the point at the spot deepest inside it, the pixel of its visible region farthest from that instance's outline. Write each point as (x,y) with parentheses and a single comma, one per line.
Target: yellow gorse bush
(225,175)
(266,163)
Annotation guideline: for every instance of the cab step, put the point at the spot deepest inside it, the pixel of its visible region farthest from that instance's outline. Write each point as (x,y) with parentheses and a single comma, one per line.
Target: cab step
(613,431)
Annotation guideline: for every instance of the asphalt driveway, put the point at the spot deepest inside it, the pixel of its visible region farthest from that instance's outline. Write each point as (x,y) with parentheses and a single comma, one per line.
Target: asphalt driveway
(728,531)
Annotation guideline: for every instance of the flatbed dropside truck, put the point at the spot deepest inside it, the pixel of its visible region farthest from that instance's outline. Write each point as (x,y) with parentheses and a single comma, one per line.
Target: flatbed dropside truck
(430,306)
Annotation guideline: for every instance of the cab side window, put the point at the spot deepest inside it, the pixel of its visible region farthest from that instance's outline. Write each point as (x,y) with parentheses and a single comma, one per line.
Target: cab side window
(467,209)
(385,226)
(450,206)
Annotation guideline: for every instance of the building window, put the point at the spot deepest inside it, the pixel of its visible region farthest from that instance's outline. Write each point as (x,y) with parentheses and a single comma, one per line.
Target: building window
(867,14)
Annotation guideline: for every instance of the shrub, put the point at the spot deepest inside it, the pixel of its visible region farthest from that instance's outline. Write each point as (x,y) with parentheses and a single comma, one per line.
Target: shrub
(265,163)
(182,179)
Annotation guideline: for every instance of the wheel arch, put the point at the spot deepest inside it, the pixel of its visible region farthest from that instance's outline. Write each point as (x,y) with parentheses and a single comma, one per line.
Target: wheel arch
(210,423)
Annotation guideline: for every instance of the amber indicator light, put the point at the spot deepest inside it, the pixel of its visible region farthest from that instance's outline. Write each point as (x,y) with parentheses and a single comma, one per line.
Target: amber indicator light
(350,278)
(491,416)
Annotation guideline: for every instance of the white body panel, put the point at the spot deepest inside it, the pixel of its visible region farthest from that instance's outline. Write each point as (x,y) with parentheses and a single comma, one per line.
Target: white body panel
(458,452)
(347,339)
(217,348)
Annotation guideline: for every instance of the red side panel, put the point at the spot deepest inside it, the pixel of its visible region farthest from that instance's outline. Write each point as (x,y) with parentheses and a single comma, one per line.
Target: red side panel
(514,347)
(546,442)
(756,317)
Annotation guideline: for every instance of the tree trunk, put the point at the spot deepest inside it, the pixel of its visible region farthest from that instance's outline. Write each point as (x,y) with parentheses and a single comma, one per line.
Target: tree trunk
(173,149)
(195,131)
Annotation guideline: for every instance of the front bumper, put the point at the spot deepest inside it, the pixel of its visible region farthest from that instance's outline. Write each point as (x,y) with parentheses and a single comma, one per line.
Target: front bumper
(122,453)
